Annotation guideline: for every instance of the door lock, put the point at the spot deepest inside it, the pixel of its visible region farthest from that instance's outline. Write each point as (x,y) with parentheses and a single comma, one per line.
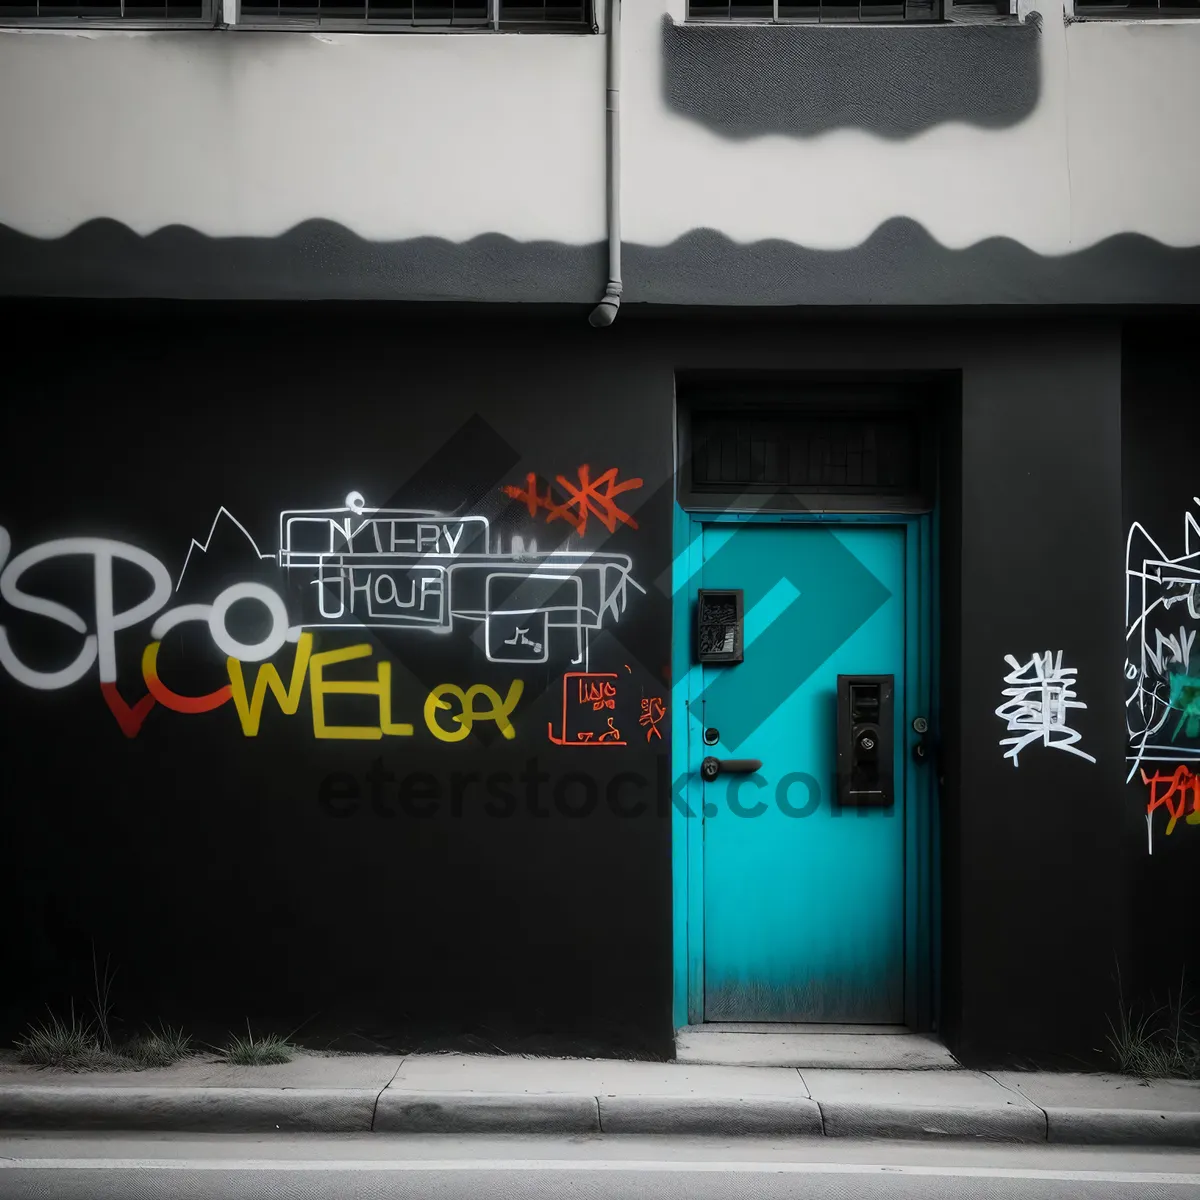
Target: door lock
(923,749)
(711,767)
(865,774)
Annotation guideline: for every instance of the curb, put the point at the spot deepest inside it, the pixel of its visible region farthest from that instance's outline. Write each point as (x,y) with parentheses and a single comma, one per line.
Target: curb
(1122,1127)
(1010,1123)
(363,1110)
(188,1110)
(399,1111)
(720,1116)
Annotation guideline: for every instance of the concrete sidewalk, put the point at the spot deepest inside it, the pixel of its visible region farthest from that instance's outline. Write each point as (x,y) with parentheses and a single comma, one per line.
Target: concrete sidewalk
(343,1093)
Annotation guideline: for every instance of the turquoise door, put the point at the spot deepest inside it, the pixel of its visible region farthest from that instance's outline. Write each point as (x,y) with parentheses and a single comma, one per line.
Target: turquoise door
(803,900)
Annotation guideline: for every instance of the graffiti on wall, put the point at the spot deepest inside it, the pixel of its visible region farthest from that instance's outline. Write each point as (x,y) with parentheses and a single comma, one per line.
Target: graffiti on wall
(579,500)
(654,711)
(396,569)
(589,703)
(350,567)
(1174,793)
(591,711)
(1162,669)
(1041,696)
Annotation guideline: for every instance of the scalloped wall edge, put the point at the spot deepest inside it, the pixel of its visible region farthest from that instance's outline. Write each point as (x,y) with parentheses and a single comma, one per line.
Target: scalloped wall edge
(900,264)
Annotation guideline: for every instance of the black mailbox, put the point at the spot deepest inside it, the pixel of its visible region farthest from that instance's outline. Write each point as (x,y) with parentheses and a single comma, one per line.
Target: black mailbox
(719,626)
(865,752)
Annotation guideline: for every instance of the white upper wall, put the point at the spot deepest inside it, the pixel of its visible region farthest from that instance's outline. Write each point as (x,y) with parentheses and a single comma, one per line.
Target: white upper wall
(452,135)
(392,135)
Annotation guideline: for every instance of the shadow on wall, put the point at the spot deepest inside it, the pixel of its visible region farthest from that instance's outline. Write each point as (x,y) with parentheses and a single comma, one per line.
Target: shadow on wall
(745,81)
(900,263)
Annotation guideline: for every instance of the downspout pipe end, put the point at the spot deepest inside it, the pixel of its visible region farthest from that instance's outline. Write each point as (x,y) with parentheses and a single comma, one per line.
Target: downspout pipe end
(605,313)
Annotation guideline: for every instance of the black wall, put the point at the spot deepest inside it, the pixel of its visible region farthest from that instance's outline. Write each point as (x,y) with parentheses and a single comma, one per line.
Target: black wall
(204,861)
(1044,903)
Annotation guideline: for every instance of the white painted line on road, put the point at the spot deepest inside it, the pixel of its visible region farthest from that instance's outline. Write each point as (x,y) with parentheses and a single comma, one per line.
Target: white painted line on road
(583,1165)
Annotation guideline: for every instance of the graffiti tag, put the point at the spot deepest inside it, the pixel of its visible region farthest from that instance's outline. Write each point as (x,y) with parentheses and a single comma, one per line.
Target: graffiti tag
(583,498)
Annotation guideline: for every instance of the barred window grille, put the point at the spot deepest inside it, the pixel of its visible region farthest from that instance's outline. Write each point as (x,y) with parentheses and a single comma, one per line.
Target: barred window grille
(131,12)
(432,14)
(812,11)
(875,454)
(1133,9)
(397,14)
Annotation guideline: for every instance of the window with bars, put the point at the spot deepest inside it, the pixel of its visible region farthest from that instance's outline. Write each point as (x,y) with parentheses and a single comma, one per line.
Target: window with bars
(802,11)
(432,14)
(809,444)
(1134,9)
(394,14)
(748,452)
(116,12)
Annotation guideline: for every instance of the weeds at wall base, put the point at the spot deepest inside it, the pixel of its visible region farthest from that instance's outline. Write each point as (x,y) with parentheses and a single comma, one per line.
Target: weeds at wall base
(72,1044)
(159,1047)
(250,1051)
(1161,1043)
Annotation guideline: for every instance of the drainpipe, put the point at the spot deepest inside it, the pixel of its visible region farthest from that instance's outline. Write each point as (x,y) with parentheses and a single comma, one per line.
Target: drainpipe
(606,311)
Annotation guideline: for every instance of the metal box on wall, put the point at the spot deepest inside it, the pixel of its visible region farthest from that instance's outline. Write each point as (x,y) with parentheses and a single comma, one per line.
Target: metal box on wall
(719,625)
(865,750)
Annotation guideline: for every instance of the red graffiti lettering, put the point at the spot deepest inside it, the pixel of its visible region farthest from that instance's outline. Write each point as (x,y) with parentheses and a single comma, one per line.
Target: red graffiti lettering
(653,711)
(598,695)
(174,700)
(129,719)
(586,497)
(1172,792)
(585,693)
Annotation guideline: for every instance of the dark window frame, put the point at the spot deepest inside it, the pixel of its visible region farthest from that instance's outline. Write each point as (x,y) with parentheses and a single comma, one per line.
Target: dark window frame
(930,12)
(934,12)
(844,396)
(10,18)
(1129,12)
(211,14)
(494,22)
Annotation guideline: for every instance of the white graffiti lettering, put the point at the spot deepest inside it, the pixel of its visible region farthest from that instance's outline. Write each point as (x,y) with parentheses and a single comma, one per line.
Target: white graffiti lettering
(384,568)
(1040,693)
(101,644)
(1158,661)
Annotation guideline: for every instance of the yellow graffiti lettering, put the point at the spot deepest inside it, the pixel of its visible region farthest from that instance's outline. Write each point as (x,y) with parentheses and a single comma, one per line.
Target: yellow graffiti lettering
(381,688)
(497,710)
(250,711)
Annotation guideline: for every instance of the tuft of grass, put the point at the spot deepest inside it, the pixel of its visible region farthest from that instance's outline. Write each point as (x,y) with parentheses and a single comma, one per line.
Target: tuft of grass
(250,1051)
(1161,1043)
(70,1044)
(159,1047)
(102,1001)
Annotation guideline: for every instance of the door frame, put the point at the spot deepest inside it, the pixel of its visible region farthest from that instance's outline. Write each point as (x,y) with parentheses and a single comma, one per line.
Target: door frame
(922,820)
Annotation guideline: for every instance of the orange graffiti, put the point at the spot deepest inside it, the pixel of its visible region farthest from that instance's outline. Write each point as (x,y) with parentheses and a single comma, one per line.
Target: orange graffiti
(1178,789)
(171,699)
(653,711)
(586,497)
(584,693)
(598,695)
(129,718)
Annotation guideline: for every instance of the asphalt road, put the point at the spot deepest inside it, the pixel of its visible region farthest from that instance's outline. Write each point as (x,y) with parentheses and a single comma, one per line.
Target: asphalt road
(366,1166)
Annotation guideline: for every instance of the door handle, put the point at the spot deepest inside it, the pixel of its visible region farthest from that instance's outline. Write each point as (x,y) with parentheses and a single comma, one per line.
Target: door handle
(711,767)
